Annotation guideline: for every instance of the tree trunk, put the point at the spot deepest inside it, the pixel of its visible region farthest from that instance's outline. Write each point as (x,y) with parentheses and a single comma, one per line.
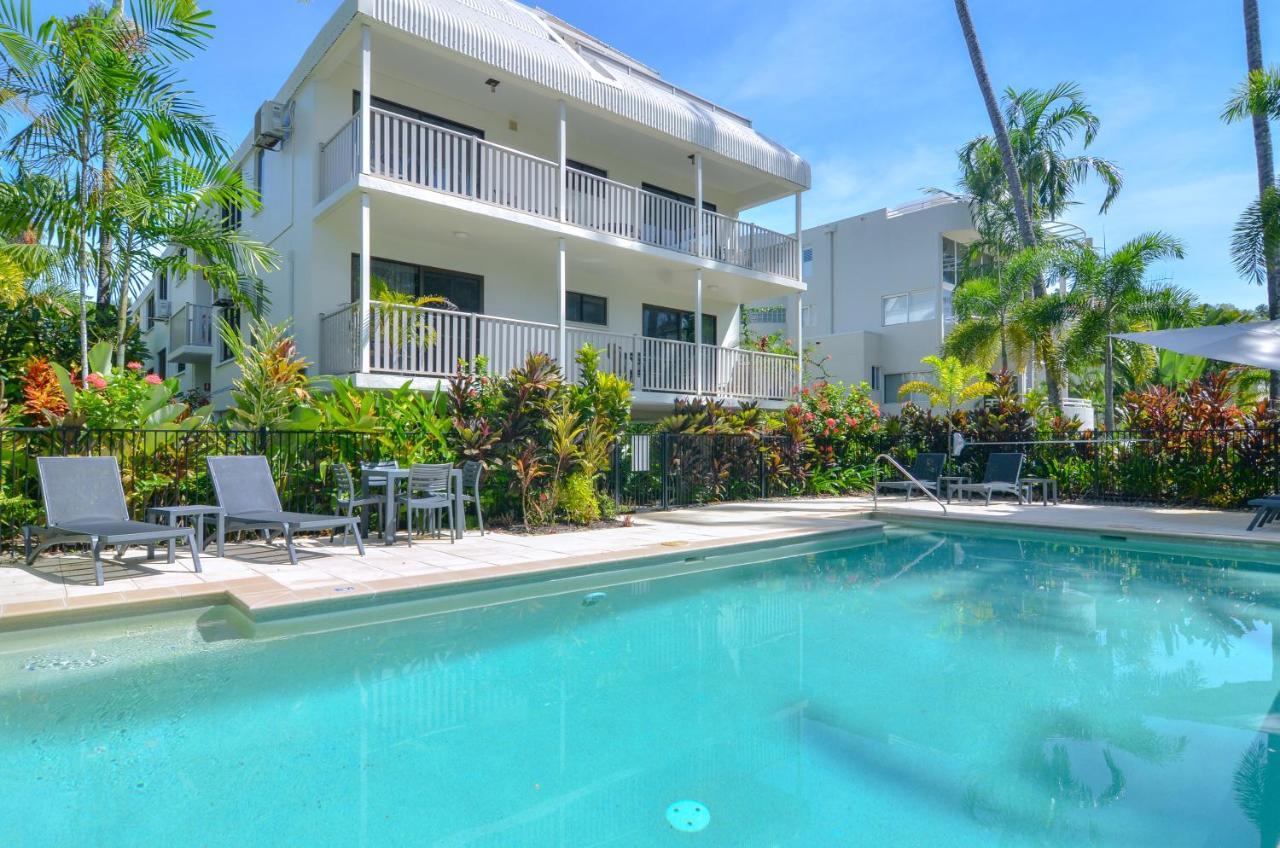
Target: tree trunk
(104,229)
(82,259)
(1266,167)
(122,316)
(1108,387)
(1021,210)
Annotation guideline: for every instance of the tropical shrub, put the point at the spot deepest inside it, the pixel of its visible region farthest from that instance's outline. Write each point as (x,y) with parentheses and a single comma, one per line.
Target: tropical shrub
(108,397)
(272,382)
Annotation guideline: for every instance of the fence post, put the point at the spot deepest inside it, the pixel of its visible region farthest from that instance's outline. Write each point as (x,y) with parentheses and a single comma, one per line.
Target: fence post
(665,469)
(764,480)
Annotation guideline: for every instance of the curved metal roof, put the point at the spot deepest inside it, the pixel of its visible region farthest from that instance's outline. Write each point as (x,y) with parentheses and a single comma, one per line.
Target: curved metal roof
(537,47)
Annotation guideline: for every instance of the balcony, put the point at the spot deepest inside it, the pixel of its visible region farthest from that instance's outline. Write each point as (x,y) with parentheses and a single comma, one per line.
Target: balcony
(411,341)
(424,155)
(191,333)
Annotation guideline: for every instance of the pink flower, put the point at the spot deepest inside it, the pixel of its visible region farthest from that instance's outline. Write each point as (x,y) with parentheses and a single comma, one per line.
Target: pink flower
(96,381)
(154,379)
(134,366)
(831,423)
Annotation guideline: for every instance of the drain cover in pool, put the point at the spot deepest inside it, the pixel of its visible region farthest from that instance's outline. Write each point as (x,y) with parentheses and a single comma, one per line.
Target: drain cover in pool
(688,816)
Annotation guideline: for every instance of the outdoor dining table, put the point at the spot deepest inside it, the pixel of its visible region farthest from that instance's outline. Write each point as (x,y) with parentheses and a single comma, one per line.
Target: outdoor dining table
(391,479)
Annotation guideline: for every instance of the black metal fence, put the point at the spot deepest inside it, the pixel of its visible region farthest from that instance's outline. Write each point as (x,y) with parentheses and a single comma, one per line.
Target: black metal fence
(679,469)
(1210,467)
(160,467)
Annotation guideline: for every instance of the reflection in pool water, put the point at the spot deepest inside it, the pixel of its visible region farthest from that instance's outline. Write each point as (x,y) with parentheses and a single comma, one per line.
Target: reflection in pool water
(923,688)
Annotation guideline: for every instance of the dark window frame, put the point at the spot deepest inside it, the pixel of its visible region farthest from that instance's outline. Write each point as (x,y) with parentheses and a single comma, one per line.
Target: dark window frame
(415,114)
(421,272)
(162,363)
(230,315)
(675,195)
(681,315)
(580,297)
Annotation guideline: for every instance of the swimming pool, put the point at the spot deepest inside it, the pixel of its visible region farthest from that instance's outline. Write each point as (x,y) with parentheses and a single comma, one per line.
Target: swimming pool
(920,687)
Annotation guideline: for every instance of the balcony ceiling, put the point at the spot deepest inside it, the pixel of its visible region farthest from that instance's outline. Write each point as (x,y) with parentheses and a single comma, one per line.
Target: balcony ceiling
(429,223)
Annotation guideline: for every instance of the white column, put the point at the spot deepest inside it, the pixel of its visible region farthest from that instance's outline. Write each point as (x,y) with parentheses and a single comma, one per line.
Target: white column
(564,336)
(698,227)
(800,297)
(562,159)
(366,96)
(800,340)
(799,246)
(697,326)
(366,276)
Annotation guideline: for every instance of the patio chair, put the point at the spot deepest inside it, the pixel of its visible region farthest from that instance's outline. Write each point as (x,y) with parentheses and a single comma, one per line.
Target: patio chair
(1003,476)
(428,491)
(248,495)
(471,473)
(1266,510)
(84,503)
(927,468)
(349,501)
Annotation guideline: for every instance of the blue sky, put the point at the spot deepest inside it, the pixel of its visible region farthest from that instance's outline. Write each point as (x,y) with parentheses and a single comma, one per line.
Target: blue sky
(878,96)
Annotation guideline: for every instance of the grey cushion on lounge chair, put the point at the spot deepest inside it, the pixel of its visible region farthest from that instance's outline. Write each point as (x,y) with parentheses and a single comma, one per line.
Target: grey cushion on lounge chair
(1003,476)
(84,504)
(247,493)
(1267,510)
(927,468)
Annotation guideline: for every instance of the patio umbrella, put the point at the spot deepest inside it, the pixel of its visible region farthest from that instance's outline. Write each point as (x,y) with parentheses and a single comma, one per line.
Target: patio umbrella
(1255,343)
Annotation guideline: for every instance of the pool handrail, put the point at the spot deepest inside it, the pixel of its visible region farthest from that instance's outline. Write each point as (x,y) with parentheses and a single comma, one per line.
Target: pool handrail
(875,497)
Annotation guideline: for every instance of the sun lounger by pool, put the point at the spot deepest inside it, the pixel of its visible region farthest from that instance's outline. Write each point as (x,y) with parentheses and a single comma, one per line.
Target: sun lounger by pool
(1003,476)
(926,468)
(84,504)
(248,495)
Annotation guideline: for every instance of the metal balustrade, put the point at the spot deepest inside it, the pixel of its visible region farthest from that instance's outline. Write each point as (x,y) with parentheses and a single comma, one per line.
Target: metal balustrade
(416,341)
(429,156)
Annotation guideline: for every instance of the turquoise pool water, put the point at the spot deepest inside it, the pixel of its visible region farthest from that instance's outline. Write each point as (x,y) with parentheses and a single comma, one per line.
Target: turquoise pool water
(917,689)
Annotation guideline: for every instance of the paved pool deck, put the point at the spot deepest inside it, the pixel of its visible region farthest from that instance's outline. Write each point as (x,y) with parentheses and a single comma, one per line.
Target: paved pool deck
(256,577)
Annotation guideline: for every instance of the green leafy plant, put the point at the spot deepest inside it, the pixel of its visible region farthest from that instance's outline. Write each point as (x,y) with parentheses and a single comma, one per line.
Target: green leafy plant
(272,382)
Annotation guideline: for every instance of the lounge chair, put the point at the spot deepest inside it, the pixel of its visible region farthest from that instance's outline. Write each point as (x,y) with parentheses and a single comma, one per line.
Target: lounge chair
(248,495)
(84,503)
(926,468)
(1267,510)
(1003,476)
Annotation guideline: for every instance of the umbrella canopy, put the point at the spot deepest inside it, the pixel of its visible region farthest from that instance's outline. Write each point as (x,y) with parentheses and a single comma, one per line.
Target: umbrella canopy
(1256,343)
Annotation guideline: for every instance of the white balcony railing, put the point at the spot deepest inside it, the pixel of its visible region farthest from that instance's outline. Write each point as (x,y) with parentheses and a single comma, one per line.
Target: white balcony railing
(191,326)
(421,342)
(429,156)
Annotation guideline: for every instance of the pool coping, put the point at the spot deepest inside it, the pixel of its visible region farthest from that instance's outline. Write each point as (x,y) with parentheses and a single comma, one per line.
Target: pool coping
(261,599)
(1096,533)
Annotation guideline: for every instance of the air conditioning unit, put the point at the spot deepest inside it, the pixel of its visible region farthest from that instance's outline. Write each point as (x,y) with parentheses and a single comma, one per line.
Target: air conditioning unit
(164,309)
(271,125)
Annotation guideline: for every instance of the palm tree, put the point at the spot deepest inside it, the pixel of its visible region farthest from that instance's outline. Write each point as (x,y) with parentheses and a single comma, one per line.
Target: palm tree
(1266,170)
(954,382)
(1109,294)
(986,309)
(81,84)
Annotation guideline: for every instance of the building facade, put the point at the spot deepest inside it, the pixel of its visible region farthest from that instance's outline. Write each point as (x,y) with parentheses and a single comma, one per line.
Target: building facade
(879,293)
(552,190)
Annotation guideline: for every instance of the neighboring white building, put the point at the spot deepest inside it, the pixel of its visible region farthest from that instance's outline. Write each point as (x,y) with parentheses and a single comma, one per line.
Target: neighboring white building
(545,183)
(879,292)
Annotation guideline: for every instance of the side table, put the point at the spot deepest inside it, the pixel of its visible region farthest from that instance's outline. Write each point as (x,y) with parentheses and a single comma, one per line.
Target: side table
(198,513)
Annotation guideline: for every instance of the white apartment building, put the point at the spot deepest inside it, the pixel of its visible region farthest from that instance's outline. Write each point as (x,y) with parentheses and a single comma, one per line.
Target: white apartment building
(556,191)
(879,293)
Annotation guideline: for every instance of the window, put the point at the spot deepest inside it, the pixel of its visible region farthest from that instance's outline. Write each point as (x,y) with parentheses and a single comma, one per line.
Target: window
(894,382)
(923,306)
(162,364)
(875,377)
(675,195)
(586,308)
(767,314)
(895,309)
(662,322)
(259,169)
(230,315)
(231,215)
(465,291)
(919,305)
(806,263)
(415,114)
(952,258)
(586,169)
(162,284)
(150,313)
